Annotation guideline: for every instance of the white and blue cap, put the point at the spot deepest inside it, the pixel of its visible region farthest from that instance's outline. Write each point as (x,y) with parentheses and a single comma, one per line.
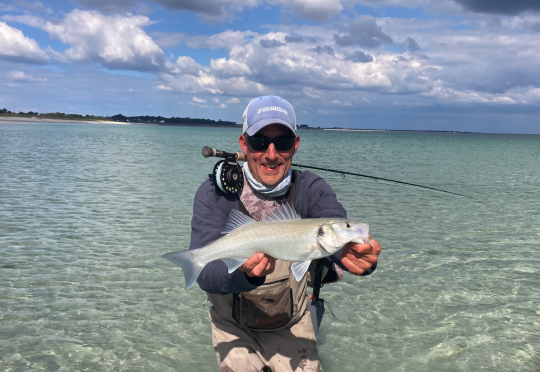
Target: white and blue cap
(267,110)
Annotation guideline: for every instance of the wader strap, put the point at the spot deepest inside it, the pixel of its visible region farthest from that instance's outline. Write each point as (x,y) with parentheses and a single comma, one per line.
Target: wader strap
(242,208)
(317,282)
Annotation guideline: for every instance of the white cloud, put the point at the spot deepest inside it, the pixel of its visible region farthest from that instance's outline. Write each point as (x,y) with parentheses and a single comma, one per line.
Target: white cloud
(195,101)
(7,7)
(504,99)
(213,11)
(317,10)
(187,65)
(163,87)
(208,83)
(481,62)
(117,42)
(198,100)
(168,39)
(15,47)
(32,5)
(224,40)
(21,76)
(223,106)
(231,67)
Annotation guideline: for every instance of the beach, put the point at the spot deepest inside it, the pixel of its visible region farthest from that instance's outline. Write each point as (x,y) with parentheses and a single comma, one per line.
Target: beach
(38,120)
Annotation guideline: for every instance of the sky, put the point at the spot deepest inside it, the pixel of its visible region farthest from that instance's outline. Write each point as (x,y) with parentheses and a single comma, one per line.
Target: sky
(458,65)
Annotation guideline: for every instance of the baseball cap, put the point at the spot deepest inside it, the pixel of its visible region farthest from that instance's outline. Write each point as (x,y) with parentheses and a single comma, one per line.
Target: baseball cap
(267,110)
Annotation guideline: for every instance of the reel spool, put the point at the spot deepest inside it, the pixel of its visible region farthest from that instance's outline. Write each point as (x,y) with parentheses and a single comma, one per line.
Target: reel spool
(228,177)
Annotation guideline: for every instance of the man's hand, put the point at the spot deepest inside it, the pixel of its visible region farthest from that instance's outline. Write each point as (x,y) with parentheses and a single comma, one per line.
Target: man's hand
(259,264)
(359,258)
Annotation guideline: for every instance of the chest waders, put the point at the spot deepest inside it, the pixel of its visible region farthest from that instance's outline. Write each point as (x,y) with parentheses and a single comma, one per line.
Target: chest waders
(316,304)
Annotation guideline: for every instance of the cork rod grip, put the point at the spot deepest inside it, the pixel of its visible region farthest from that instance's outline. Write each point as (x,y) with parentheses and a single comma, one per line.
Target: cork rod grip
(208,152)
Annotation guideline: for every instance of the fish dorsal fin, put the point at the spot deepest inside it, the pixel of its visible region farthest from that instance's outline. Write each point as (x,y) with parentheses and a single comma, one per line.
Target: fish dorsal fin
(283,212)
(235,220)
(299,269)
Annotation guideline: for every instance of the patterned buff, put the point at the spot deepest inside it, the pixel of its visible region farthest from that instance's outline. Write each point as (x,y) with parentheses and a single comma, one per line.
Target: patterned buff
(272,192)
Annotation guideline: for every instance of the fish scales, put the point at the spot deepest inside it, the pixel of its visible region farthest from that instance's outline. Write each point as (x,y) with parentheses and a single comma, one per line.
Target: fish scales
(285,240)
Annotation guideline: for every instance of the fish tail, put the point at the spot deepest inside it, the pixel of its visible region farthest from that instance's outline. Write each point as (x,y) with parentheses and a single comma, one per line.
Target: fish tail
(187,260)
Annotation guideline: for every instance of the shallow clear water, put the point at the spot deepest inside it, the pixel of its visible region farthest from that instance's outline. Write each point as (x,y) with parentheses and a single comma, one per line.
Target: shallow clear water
(86,211)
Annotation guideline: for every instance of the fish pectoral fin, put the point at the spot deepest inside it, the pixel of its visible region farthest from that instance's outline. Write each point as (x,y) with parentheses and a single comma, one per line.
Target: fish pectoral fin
(233,264)
(235,220)
(299,269)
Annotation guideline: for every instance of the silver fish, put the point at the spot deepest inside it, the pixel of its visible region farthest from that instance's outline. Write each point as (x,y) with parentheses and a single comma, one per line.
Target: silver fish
(282,234)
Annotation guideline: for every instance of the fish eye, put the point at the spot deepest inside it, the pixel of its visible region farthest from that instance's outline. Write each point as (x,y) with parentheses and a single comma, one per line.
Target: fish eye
(348,225)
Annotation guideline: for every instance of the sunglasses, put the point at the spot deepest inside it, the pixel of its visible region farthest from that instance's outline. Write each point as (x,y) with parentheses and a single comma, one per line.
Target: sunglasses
(261,143)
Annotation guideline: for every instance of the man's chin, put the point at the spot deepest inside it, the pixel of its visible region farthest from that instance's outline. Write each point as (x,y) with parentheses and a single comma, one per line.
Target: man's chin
(272,181)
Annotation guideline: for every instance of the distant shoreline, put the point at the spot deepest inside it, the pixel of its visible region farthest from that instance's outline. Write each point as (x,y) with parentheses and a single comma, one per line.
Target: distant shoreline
(36,120)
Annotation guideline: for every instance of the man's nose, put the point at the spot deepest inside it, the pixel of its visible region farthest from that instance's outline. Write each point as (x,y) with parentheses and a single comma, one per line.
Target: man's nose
(271,153)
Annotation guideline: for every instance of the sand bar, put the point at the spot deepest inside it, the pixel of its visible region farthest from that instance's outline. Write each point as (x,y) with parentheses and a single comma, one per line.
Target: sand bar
(37,120)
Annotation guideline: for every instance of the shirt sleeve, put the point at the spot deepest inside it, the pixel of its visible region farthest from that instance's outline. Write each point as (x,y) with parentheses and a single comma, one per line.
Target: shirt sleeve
(210,213)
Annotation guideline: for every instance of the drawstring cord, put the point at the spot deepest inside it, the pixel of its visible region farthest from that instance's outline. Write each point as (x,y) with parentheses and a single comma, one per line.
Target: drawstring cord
(329,308)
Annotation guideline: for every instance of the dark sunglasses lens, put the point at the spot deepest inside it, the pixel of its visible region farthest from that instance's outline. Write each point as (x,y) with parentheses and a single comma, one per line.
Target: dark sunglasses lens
(284,143)
(280,143)
(258,143)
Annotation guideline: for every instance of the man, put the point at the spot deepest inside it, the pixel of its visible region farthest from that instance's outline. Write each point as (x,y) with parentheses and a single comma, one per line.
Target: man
(259,317)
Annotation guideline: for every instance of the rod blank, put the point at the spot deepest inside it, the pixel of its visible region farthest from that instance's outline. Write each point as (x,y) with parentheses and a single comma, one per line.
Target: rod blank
(238,156)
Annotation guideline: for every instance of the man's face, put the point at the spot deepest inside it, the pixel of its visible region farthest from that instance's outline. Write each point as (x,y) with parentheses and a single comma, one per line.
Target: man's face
(269,167)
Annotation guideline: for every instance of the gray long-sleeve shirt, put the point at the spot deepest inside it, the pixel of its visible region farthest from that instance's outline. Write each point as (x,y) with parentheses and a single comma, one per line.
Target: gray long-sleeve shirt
(314,199)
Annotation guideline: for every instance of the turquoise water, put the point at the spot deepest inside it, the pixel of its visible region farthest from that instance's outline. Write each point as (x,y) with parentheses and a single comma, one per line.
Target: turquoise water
(86,211)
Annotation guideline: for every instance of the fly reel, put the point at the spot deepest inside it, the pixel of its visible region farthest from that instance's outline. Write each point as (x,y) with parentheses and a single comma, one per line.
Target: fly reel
(228,177)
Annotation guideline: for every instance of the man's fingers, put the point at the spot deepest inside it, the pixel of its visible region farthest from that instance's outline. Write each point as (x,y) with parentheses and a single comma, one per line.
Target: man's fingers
(375,247)
(358,249)
(259,269)
(359,258)
(371,258)
(254,261)
(271,265)
(356,267)
(259,264)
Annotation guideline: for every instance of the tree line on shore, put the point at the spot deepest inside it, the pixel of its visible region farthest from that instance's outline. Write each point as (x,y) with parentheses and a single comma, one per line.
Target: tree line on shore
(127,119)
(171,120)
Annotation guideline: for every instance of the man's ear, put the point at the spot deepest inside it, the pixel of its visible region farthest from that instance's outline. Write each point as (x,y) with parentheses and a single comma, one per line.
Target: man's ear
(296,144)
(243,143)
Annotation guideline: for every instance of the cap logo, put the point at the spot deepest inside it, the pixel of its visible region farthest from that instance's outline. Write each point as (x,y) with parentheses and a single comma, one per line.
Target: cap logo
(272,108)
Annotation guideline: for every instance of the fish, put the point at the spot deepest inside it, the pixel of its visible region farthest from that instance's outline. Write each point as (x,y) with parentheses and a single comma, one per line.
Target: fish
(283,234)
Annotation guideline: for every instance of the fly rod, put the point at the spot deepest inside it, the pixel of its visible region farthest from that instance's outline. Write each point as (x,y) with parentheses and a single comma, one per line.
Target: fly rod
(238,156)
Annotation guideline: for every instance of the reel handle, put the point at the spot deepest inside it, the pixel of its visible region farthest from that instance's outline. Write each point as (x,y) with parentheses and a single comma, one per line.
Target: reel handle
(208,152)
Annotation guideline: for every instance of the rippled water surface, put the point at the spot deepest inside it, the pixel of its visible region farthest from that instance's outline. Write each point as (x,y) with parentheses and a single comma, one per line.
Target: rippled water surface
(86,211)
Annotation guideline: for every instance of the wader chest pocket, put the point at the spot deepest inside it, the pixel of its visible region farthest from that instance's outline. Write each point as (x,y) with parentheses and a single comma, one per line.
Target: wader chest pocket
(267,307)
